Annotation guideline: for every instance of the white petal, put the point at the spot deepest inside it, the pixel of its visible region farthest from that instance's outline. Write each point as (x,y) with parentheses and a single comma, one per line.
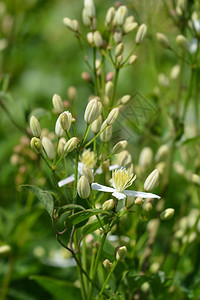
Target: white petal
(98,171)
(102,188)
(118,195)
(140,194)
(80,168)
(66,180)
(113,167)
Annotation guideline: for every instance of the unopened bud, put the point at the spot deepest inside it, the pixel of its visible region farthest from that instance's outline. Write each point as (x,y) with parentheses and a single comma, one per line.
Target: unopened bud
(58,129)
(182,42)
(163,40)
(71,93)
(86,19)
(109,89)
(162,153)
(195,179)
(98,41)
(83,187)
(147,207)
(71,24)
(125,99)
(145,157)
(167,214)
(121,15)
(163,80)
(128,27)
(107,264)
(124,158)
(132,59)
(120,146)
(113,115)
(91,111)
(152,180)
(71,144)
(48,147)
(87,172)
(61,146)
(119,49)
(182,4)
(35,126)
(139,201)
(106,135)
(96,125)
(36,145)
(86,76)
(109,76)
(5,249)
(119,59)
(57,104)
(65,120)
(90,38)
(142,30)
(175,72)
(108,205)
(89,8)
(117,37)
(121,253)
(109,16)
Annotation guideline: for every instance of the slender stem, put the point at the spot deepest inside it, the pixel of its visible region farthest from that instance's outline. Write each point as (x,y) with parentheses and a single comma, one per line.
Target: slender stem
(107,279)
(124,62)
(50,167)
(54,161)
(94,71)
(96,136)
(84,255)
(102,79)
(85,133)
(115,86)
(76,175)
(7,278)
(63,155)
(78,255)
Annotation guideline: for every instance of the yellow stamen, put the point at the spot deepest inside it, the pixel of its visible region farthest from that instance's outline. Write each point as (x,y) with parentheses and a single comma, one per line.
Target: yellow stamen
(122,179)
(87,158)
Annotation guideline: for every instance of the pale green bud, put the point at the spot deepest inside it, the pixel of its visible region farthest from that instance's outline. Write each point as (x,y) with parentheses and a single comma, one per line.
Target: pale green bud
(120,146)
(125,99)
(152,180)
(57,104)
(87,172)
(163,80)
(132,59)
(89,8)
(91,111)
(109,89)
(119,59)
(58,129)
(35,126)
(71,93)
(121,15)
(129,20)
(121,253)
(36,145)
(71,24)
(90,38)
(106,135)
(48,147)
(128,27)
(182,42)
(98,41)
(119,49)
(141,33)
(167,214)
(147,207)
(108,205)
(96,125)
(139,201)
(86,19)
(175,72)
(65,120)
(5,249)
(83,187)
(182,4)
(86,76)
(163,40)
(109,16)
(113,115)
(76,25)
(71,144)
(146,156)
(107,264)
(162,153)
(195,179)
(61,145)
(117,37)
(124,158)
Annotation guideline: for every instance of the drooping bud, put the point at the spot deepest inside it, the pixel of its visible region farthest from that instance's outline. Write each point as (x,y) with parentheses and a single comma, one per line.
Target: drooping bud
(35,126)
(107,264)
(106,135)
(132,59)
(96,125)
(109,16)
(89,8)
(71,144)
(121,253)
(113,115)
(57,104)
(71,93)
(108,205)
(36,145)
(120,146)
(163,40)
(48,147)
(152,180)
(167,214)
(98,41)
(86,19)
(142,30)
(91,111)
(128,27)
(109,89)
(87,172)
(182,42)
(61,146)
(145,157)
(83,187)
(121,15)
(65,120)
(119,49)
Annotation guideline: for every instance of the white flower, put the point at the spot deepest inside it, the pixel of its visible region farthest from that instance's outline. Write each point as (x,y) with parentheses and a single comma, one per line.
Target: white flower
(121,180)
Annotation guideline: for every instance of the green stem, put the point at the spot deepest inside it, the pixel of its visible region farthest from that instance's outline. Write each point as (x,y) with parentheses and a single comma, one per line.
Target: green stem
(115,86)
(7,278)
(84,255)
(76,175)
(94,71)
(96,136)
(107,279)
(87,129)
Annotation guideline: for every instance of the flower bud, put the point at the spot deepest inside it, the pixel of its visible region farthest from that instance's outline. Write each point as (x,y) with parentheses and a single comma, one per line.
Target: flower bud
(108,205)
(139,201)
(120,146)
(35,126)
(109,76)
(87,172)
(124,158)
(121,253)
(128,27)
(182,42)
(71,93)
(89,8)
(57,104)
(125,99)
(106,135)
(109,16)
(96,125)
(58,129)
(36,145)
(182,4)
(195,179)
(146,156)
(86,19)
(121,14)
(175,72)
(86,76)
(117,37)
(163,80)
(5,249)
(142,30)
(109,89)
(98,41)
(119,49)
(71,144)
(162,153)
(91,111)
(83,187)
(147,207)
(61,146)
(71,24)
(113,115)
(132,59)
(90,38)
(152,180)
(65,120)
(48,147)
(107,264)
(167,214)
(163,40)
(119,59)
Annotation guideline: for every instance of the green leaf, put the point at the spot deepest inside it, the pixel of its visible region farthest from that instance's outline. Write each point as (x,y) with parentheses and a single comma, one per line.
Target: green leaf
(91,227)
(70,207)
(44,196)
(58,288)
(84,215)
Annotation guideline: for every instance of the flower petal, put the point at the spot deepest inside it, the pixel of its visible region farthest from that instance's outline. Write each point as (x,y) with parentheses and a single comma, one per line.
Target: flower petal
(113,167)
(80,168)
(98,170)
(118,195)
(66,180)
(140,194)
(102,188)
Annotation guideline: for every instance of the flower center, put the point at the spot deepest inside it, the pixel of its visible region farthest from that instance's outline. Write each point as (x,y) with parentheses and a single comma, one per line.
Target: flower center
(87,158)
(122,179)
